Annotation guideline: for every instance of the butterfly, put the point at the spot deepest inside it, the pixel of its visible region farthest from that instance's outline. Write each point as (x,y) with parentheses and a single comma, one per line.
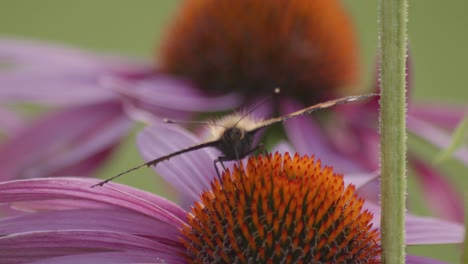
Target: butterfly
(234,135)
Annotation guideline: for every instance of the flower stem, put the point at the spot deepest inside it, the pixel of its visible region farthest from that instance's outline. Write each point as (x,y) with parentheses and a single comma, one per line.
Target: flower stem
(392,43)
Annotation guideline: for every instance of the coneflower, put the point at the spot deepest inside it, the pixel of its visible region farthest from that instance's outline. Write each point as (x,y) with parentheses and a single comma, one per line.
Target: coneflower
(277,208)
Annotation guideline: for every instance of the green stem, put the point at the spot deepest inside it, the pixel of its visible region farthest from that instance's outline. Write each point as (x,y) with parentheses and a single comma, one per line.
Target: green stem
(392,42)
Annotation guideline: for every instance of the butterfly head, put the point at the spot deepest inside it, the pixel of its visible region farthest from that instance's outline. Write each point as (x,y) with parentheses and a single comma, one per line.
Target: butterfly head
(233,135)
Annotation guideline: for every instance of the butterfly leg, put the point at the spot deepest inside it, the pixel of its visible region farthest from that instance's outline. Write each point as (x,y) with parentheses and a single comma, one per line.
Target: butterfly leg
(220,160)
(263,150)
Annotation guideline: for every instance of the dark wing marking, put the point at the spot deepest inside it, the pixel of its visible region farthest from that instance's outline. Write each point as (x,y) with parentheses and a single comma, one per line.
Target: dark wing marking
(157,160)
(311,109)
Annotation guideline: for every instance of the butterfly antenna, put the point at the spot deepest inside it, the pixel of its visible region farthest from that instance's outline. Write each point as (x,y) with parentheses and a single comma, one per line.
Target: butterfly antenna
(120,174)
(264,101)
(158,160)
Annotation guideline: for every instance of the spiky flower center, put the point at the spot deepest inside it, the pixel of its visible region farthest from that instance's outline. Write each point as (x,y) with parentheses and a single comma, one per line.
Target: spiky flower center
(281,210)
(306,47)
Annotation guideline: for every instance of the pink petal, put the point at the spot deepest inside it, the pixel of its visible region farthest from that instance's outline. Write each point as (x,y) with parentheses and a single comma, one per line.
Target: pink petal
(424,230)
(55,144)
(43,245)
(117,257)
(99,219)
(422,260)
(166,92)
(307,138)
(190,172)
(360,179)
(10,122)
(52,88)
(427,230)
(445,115)
(283,147)
(436,137)
(112,195)
(51,74)
(38,54)
(440,195)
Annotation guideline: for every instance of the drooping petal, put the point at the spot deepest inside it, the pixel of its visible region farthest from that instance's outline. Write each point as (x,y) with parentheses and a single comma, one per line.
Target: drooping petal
(73,140)
(116,257)
(360,179)
(10,122)
(44,73)
(422,260)
(428,230)
(436,137)
(78,190)
(366,140)
(50,244)
(283,147)
(438,192)
(107,220)
(307,137)
(102,219)
(166,92)
(445,115)
(422,230)
(189,172)
(34,54)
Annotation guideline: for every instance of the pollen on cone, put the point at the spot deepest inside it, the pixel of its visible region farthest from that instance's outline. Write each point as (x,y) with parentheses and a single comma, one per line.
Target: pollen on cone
(306,47)
(281,210)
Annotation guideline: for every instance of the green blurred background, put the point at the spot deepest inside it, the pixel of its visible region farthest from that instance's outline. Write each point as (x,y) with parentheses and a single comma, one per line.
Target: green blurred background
(438,46)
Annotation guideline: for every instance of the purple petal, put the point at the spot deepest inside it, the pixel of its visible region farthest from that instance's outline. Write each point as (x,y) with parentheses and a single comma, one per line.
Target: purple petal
(38,54)
(79,190)
(307,138)
(424,230)
(99,219)
(283,147)
(51,74)
(116,257)
(43,245)
(367,140)
(65,85)
(422,260)
(447,116)
(354,132)
(427,230)
(54,144)
(436,137)
(10,122)
(438,192)
(360,179)
(52,88)
(170,93)
(189,172)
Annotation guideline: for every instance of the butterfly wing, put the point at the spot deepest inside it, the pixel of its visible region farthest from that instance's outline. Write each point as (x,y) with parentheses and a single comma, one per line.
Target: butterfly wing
(311,109)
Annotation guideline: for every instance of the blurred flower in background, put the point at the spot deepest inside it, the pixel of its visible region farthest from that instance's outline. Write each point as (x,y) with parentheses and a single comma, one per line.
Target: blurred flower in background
(90,96)
(10,122)
(277,208)
(308,48)
(216,55)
